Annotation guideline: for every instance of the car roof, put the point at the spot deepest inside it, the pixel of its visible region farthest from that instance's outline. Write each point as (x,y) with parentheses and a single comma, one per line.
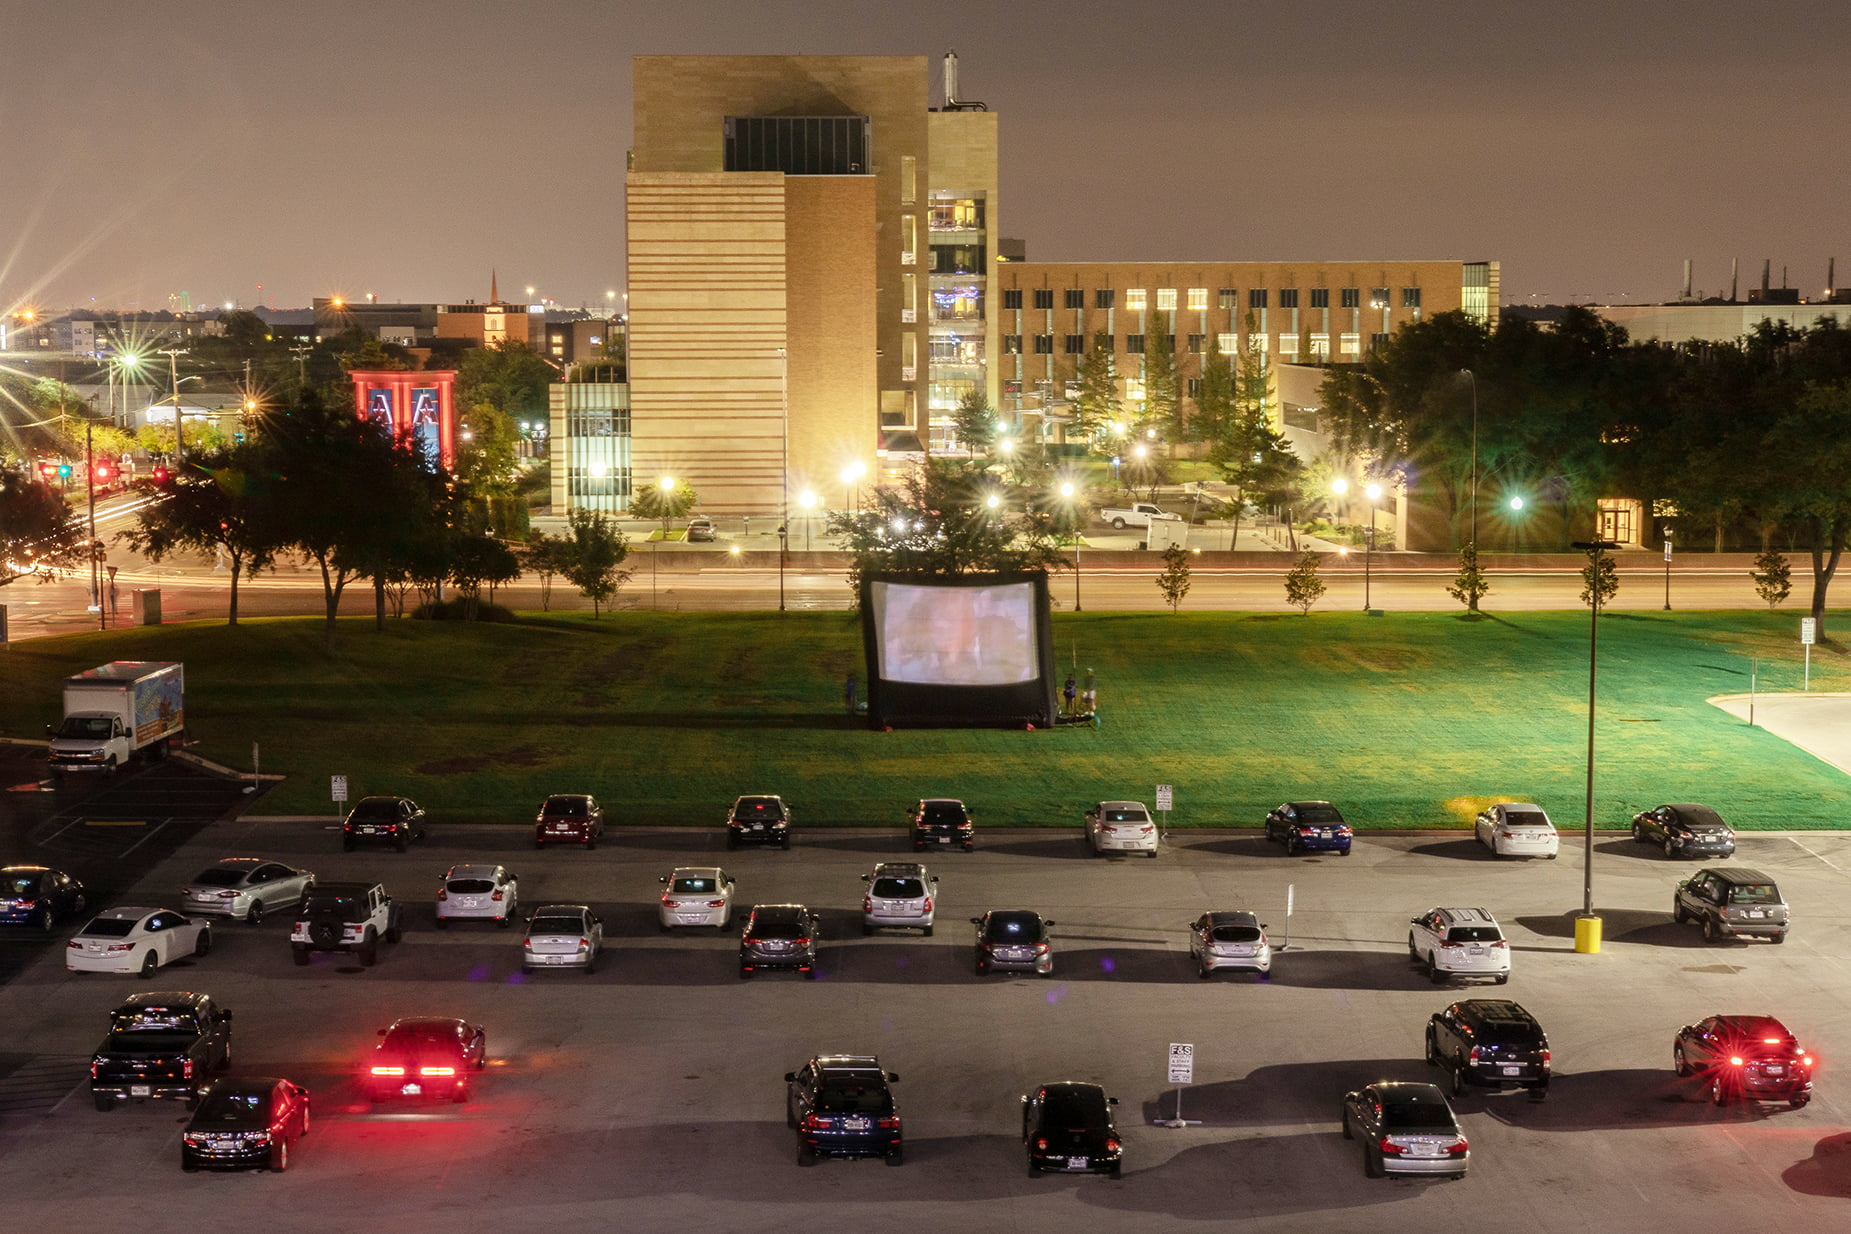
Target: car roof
(758,797)
(899,869)
(1524,807)
(847,1062)
(560,910)
(1305,805)
(163,998)
(241,862)
(1232,918)
(695,871)
(941,801)
(1408,1092)
(340,889)
(1502,1009)
(550,797)
(778,912)
(1013,914)
(1468,916)
(127,912)
(25,869)
(378,797)
(1692,810)
(250,1084)
(471,869)
(1734,874)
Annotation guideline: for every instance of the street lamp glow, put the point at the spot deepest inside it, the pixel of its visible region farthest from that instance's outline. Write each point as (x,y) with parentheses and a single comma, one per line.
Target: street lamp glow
(666,483)
(1340,486)
(1006,444)
(992,501)
(853,472)
(1373,492)
(1516,503)
(808,499)
(1141,451)
(1066,488)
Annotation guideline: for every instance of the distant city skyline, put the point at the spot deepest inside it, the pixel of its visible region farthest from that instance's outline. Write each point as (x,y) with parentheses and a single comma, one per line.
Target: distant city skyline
(404,149)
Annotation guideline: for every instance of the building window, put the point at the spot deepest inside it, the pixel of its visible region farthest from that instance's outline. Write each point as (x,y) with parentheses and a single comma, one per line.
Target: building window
(909,175)
(1377,340)
(1044,344)
(1075,298)
(955,214)
(1352,297)
(909,298)
(1135,300)
(1288,345)
(1259,342)
(958,259)
(1352,344)
(1288,297)
(1195,387)
(1228,299)
(1320,297)
(1075,345)
(1378,297)
(1320,346)
(1012,345)
(1166,299)
(1228,343)
(1134,343)
(1195,344)
(909,238)
(1134,390)
(957,304)
(1104,298)
(1012,298)
(1044,297)
(1256,297)
(1198,299)
(1410,297)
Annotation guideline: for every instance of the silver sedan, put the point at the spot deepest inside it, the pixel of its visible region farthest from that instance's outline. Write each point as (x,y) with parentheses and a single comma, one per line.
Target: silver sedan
(562,936)
(246,887)
(695,896)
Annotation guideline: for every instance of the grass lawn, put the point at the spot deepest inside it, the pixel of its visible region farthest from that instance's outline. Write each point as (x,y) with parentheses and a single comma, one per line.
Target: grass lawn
(1409,720)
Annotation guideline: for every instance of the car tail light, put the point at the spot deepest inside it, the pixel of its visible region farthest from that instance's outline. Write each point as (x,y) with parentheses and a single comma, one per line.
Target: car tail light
(74,945)
(1146,829)
(496,896)
(1770,1041)
(584,944)
(1474,1055)
(667,902)
(1806,1061)
(815,1122)
(1545,1057)
(526,942)
(1735,1060)
(716,904)
(186,1069)
(1041,1144)
(928,904)
(890,1123)
(96,1065)
(984,946)
(388,1071)
(193,1140)
(1458,1148)
(1111,1144)
(1389,1147)
(121,946)
(867,904)
(1504,943)
(801,942)
(443,893)
(437,1071)
(1042,949)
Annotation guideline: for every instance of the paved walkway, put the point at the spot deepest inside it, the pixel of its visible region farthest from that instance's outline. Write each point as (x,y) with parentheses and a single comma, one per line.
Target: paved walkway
(1819,724)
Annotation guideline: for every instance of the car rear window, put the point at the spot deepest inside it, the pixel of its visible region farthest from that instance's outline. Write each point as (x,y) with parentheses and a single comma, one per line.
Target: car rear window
(21,886)
(228,1107)
(1754,893)
(760,808)
(471,886)
(556,925)
(1525,819)
(217,877)
(1126,816)
(1236,934)
(1013,929)
(854,1099)
(776,929)
(1319,814)
(154,1020)
(109,927)
(899,888)
(1418,1115)
(1076,1110)
(943,814)
(374,811)
(693,886)
(571,807)
(1473,934)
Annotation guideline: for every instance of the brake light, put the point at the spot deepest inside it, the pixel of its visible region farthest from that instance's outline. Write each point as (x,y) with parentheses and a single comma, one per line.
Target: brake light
(1806,1061)
(1042,948)
(802,942)
(1545,1057)
(1504,943)
(815,1122)
(496,896)
(1041,1143)
(1473,1056)
(1390,1148)
(584,944)
(388,1071)
(666,901)
(437,1071)
(1458,1148)
(890,1123)
(928,904)
(95,1065)
(74,945)
(442,894)
(526,942)
(1735,1060)
(1771,1040)
(1146,829)
(867,904)
(1111,1144)
(121,947)
(716,904)
(186,1069)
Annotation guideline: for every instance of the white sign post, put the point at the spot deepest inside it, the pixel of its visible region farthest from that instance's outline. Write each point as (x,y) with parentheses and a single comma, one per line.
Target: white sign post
(1290,889)
(1809,634)
(340,794)
(1166,801)
(1182,1071)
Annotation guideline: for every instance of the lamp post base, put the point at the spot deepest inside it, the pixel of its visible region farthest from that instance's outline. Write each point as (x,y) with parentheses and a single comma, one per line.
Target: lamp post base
(1587,934)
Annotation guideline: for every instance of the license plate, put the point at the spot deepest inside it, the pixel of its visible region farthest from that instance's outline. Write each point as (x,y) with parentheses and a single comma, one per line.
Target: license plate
(1776,1069)
(1513,1070)
(1425,1150)
(412,1090)
(855,1124)
(1078,1163)
(367,831)
(1757,912)
(141,1090)
(944,839)
(562,827)
(1474,951)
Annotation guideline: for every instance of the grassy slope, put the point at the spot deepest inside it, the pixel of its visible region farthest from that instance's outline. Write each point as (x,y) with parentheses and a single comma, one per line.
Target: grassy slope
(1405,720)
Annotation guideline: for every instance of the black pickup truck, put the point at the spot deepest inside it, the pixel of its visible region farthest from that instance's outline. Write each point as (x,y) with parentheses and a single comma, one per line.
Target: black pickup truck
(165,1043)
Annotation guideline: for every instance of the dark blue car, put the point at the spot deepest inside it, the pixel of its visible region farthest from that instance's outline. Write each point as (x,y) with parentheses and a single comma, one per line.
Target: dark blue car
(37,896)
(1309,827)
(841,1106)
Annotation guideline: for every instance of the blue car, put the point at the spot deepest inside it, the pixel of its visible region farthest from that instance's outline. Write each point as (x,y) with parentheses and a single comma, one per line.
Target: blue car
(1309,827)
(841,1106)
(37,896)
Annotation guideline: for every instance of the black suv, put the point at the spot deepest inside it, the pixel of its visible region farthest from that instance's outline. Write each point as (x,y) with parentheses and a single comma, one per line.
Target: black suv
(941,820)
(1491,1042)
(841,1106)
(349,917)
(778,936)
(1732,902)
(758,820)
(390,820)
(1067,1128)
(1744,1058)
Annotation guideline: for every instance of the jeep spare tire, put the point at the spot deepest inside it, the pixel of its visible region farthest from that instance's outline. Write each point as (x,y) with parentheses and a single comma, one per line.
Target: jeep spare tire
(325,933)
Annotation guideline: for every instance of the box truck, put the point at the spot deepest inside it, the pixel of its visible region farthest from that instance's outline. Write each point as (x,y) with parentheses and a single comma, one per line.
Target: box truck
(117,711)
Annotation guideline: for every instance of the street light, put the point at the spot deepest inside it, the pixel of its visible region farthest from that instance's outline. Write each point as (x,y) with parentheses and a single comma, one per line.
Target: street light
(1516,509)
(850,474)
(1474,378)
(1066,493)
(666,485)
(807,499)
(1588,939)
(1373,492)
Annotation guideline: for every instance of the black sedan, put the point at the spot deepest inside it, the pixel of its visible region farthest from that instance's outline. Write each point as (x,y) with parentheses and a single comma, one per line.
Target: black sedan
(779,936)
(1067,1128)
(245,1123)
(426,1056)
(1685,830)
(1744,1058)
(37,896)
(387,820)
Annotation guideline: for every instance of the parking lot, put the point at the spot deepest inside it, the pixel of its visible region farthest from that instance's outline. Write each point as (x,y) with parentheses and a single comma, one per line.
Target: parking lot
(649,1095)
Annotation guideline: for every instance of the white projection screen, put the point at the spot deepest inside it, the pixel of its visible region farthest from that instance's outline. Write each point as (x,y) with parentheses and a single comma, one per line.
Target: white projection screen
(965,650)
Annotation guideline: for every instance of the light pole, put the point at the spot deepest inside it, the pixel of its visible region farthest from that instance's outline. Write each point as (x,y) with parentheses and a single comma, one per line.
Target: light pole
(96,587)
(850,474)
(173,371)
(1372,493)
(1066,493)
(1587,939)
(808,500)
(666,486)
(1474,378)
(1516,508)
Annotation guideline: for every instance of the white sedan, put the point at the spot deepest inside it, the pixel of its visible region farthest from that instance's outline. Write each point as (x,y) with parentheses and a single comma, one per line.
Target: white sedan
(1121,827)
(135,940)
(696,896)
(562,936)
(1517,829)
(246,887)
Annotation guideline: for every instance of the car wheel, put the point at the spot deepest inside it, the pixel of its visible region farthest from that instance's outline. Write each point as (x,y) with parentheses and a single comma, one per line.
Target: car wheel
(806,1156)
(926,932)
(1118,524)
(539,844)
(1679,1063)
(443,922)
(369,952)
(188,1164)
(1114,1171)
(1348,1133)
(395,929)
(1777,938)
(591,966)
(203,944)
(1457,1083)
(661,926)
(1204,971)
(1709,929)
(148,964)
(504,921)
(1670,850)
(785,844)
(1539,1092)
(1435,973)
(745,970)
(1291,848)
(104,1102)
(1413,951)
(867,931)
(279,1157)
(1433,1050)
(970,848)
(1343,852)
(256,914)
(460,1096)
(1372,1162)
(302,954)
(1678,914)
(809,974)
(896,1157)
(591,843)
(1503,978)
(1717,1096)
(1034,1171)
(43,920)
(1798,1102)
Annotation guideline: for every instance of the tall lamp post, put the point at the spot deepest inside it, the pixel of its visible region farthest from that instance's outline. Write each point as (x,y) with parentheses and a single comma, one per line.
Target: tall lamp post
(808,500)
(1516,509)
(173,372)
(850,474)
(1373,492)
(96,587)
(666,486)
(1587,938)
(1474,379)
(1066,494)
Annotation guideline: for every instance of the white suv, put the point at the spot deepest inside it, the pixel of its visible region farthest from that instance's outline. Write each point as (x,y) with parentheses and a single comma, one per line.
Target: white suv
(1459,942)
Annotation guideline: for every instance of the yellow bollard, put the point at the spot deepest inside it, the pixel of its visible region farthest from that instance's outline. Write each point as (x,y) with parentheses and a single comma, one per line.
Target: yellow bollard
(1587,935)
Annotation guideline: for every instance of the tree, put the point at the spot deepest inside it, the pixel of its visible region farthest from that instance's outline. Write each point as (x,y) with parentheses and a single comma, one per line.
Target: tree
(1163,404)
(38,538)
(1773,578)
(593,557)
(509,376)
(1303,587)
(219,503)
(652,501)
(488,456)
(1599,572)
(1096,405)
(475,559)
(975,421)
(1173,582)
(544,556)
(1469,585)
(1214,399)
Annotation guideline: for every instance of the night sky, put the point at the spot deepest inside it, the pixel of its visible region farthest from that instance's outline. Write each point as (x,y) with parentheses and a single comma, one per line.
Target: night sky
(342,147)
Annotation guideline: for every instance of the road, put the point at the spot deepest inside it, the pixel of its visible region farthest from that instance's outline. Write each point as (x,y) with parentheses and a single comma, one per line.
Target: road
(648,1096)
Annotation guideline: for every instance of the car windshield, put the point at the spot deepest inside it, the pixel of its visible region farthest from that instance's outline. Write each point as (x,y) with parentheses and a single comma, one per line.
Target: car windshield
(471,886)
(557,925)
(1319,814)
(1013,927)
(693,886)
(219,876)
(778,928)
(110,927)
(1237,934)
(375,809)
(837,1097)
(1754,893)
(1417,1116)
(1473,934)
(899,888)
(19,885)
(939,812)
(570,807)
(754,809)
(80,728)
(1525,818)
(1127,816)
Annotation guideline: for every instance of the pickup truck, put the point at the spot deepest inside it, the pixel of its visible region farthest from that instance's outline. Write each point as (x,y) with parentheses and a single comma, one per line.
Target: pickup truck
(349,917)
(1137,514)
(116,712)
(164,1043)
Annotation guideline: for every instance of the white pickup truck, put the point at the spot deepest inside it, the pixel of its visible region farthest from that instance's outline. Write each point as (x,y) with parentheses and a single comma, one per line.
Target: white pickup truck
(1137,514)
(118,711)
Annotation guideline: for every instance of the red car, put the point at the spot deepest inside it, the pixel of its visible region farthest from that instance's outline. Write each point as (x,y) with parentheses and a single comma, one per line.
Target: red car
(426,1056)
(569,818)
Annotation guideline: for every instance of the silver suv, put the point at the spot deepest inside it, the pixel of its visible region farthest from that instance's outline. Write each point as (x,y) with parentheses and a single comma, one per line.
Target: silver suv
(1459,942)
(899,897)
(1732,902)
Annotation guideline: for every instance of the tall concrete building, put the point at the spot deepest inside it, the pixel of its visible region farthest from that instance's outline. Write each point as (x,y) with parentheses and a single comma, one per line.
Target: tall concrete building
(810,256)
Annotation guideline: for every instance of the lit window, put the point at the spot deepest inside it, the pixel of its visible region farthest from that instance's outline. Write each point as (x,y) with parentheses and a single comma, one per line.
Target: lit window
(1288,344)
(909,173)
(1198,299)
(1352,344)
(1134,300)
(1320,346)
(1166,299)
(1228,343)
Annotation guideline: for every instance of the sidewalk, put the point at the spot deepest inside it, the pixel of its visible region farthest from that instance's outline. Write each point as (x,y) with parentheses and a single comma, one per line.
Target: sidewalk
(1818,723)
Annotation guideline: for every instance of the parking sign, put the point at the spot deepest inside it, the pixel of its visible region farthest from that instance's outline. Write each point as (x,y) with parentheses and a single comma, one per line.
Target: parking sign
(340,788)
(1164,800)
(1182,1062)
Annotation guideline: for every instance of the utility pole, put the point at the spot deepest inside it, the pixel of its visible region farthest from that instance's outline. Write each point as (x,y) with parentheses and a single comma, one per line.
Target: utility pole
(96,588)
(173,372)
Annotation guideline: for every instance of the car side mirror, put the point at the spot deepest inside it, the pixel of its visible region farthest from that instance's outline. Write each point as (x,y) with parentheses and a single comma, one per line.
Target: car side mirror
(1050,923)
(225,1015)
(1264,926)
(893,1077)
(1024,1099)
(790,1077)
(1413,920)
(381,1033)
(976,921)
(1111,1100)
(864,878)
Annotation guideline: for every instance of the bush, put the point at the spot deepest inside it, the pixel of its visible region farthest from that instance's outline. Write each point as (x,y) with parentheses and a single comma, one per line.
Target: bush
(462,610)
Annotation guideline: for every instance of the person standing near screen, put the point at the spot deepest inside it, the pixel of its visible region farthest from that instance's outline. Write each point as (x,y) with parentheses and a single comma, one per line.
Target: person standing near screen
(1089,695)
(1067,693)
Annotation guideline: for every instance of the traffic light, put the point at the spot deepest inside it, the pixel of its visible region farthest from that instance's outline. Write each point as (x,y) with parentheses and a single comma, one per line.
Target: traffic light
(102,473)
(64,471)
